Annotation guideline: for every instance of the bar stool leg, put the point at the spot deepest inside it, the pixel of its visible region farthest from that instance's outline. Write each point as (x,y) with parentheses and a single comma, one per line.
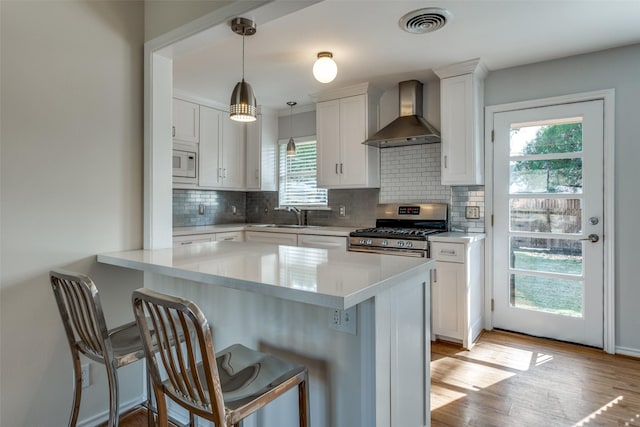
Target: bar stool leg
(303,401)
(77,390)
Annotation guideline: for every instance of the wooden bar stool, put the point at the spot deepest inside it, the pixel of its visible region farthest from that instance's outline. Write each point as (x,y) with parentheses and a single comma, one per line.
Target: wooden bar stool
(87,333)
(225,387)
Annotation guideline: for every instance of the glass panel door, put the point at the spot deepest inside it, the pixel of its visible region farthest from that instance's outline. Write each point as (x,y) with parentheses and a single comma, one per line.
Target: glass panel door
(547,184)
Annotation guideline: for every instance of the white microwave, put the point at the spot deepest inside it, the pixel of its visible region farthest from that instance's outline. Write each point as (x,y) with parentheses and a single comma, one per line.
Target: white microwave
(185,165)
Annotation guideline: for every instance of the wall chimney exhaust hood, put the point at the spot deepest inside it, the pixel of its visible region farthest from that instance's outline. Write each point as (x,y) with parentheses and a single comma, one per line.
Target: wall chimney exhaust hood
(410,128)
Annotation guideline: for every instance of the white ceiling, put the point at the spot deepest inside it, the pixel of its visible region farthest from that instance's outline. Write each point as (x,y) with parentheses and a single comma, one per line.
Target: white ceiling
(369,46)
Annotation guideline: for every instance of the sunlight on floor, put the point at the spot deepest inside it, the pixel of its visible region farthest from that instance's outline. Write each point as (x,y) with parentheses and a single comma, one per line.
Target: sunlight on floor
(543,358)
(457,371)
(457,375)
(505,356)
(591,417)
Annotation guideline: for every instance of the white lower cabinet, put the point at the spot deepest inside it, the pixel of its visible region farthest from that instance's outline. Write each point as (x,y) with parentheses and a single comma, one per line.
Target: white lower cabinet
(193,239)
(457,292)
(235,236)
(290,239)
(321,241)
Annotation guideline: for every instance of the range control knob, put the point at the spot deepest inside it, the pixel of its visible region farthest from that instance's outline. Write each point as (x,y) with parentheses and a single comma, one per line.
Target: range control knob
(385,242)
(400,243)
(409,244)
(369,241)
(362,241)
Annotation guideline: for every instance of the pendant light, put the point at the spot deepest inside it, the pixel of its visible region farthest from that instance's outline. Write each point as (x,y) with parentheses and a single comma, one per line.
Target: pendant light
(325,68)
(291,146)
(243,104)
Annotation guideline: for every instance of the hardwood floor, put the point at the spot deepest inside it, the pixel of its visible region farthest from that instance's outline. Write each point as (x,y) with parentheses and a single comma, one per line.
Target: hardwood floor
(510,380)
(518,381)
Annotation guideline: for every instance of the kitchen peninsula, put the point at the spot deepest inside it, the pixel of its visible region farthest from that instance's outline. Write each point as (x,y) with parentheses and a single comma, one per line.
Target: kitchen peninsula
(360,322)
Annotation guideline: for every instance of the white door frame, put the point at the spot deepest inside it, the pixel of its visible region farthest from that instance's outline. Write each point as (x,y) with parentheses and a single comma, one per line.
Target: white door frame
(608,97)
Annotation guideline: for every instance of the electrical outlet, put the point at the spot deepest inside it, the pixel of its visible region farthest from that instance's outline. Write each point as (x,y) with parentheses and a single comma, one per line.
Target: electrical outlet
(86,375)
(472,212)
(343,320)
(342,211)
(201,209)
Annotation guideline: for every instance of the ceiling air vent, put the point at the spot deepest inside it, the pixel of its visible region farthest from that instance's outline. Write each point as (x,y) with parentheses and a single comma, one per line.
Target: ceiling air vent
(426,20)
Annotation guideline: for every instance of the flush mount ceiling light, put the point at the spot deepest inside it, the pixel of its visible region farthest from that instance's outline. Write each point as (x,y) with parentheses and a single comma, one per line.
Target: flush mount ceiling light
(291,146)
(426,20)
(325,68)
(243,105)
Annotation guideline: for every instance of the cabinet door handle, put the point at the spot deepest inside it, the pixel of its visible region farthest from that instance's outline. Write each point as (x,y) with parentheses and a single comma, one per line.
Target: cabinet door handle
(186,243)
(434,273)
(447,252)
(173,131)
(336,168)
(445,161)
(341,168)
(224,172)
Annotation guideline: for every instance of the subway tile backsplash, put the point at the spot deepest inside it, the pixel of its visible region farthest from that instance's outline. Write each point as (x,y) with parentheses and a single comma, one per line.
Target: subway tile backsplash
(412,174)
(408,174)
(218,207)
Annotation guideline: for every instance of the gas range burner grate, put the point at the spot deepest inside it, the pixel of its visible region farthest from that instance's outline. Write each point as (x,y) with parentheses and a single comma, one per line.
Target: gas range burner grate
(393,232)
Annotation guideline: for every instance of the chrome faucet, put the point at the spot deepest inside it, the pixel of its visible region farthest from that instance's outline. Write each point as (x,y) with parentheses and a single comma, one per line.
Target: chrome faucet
(297,212)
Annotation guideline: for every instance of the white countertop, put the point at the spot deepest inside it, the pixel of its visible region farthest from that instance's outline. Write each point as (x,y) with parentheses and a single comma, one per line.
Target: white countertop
(332,278)
(457,237)
(270,228)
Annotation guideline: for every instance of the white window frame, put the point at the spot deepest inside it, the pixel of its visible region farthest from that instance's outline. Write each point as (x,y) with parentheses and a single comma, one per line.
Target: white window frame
(317,206)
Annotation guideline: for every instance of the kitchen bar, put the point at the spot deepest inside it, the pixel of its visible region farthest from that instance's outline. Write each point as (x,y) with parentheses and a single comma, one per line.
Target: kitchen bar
(293,301)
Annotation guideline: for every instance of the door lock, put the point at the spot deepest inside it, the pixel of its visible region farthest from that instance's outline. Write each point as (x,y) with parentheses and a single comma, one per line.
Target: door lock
(593,238)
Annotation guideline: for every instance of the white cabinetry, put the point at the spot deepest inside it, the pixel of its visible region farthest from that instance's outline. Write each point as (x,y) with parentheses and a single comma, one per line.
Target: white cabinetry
(290,239)
(186,119)
(193,239)
(342,124)
(235,236)
(457,291)
(222,151)
(322,241)
(461,111)
(262,152)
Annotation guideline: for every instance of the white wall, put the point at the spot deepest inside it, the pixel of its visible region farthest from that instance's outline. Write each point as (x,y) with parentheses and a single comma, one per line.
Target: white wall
(618,69)
(163,16)
(71,187)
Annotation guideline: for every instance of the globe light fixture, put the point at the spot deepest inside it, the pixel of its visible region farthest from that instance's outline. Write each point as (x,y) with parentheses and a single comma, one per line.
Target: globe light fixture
(325,68)
(243,105)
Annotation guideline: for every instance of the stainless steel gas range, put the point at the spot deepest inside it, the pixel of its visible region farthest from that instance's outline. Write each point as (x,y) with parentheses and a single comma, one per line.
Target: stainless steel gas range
(401,229)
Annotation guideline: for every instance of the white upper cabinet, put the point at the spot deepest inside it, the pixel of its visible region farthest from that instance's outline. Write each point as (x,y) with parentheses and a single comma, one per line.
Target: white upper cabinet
(342,124)
(222,151)
(461,111)
(262,152)
(186,121)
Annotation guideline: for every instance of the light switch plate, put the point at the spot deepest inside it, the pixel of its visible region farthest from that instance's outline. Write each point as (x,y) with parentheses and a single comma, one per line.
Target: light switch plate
(472,212)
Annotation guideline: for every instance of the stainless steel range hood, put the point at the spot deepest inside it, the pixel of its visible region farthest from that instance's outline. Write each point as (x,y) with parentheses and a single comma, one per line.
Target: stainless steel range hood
(410,128)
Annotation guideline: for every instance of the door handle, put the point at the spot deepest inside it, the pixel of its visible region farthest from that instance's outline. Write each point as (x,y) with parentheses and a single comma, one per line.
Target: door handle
(593,238)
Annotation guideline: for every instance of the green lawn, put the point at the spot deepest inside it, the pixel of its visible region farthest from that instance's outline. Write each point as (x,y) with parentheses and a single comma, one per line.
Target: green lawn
(545,294)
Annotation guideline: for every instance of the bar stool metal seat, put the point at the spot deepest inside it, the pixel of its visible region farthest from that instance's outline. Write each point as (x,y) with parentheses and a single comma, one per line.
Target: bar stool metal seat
(85,326)
(224,387)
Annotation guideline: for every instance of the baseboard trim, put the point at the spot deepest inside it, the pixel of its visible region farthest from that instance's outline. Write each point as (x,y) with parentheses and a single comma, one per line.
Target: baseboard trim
(626,351)
(103,417)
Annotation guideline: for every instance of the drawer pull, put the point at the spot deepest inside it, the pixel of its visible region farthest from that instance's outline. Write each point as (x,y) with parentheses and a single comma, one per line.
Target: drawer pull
(447,252)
